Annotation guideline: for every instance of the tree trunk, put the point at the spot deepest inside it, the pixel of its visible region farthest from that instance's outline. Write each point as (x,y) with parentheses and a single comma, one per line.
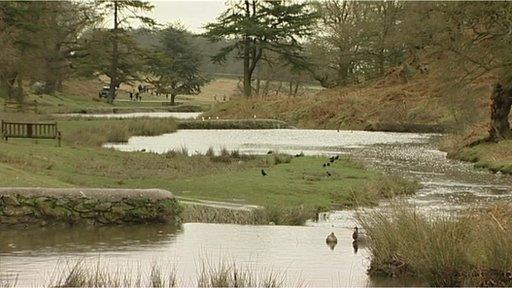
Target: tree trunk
(173,96)
(258,85)
(19,92)
(501,101)
(115,58)
(247,52)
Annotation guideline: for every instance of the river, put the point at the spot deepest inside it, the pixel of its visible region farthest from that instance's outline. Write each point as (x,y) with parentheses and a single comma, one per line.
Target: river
(299,253)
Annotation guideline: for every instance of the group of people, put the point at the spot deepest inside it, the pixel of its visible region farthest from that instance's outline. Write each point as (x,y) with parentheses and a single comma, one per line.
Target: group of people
(137,95)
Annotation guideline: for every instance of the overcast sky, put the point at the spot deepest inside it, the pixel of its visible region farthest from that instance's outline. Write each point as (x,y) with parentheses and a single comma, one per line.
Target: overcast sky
(193,14)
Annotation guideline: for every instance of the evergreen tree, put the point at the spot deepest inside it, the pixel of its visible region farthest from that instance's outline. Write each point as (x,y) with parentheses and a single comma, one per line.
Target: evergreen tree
(256,26)
(174,66)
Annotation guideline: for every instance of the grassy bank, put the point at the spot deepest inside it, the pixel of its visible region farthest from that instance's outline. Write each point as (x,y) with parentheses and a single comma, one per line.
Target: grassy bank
(233,124)
(473,249)
(496,157)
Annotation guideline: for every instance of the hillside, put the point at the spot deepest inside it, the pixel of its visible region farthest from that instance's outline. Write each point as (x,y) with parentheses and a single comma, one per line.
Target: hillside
(424,102)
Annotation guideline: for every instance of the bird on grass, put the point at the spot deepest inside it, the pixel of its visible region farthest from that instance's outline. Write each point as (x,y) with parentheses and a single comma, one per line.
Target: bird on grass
(263,172)
(337,157)
(324,165)
(328,164)
(328,173)
(331,159)
(301,154)
(270,152)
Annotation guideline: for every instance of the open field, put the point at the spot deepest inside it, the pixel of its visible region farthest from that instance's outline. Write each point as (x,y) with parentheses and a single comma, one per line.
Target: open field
(81,95)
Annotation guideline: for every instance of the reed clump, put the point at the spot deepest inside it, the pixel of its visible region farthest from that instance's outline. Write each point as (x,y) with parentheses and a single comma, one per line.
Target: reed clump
(96,132)
(469,249)
(221,274)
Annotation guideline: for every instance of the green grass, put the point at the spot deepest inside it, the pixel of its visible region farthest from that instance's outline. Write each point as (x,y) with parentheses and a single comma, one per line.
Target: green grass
(303,181)
(470,249)
(493,156)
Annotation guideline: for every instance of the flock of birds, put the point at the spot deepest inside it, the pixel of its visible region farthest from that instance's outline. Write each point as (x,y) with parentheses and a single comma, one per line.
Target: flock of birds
(330,161)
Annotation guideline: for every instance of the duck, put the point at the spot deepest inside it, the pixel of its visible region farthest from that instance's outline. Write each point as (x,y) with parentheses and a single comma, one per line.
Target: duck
(331,239)
(358,237)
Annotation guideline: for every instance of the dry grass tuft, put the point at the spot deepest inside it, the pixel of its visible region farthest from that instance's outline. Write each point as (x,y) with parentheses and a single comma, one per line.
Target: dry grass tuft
(471,249)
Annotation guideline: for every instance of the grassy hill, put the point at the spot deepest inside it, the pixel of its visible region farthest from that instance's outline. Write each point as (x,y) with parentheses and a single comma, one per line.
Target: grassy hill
(424,102)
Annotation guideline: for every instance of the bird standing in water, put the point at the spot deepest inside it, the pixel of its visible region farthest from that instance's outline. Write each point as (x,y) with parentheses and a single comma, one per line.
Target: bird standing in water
(263,172)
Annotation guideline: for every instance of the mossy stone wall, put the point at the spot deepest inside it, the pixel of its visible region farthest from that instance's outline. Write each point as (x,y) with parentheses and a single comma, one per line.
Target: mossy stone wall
(44,206)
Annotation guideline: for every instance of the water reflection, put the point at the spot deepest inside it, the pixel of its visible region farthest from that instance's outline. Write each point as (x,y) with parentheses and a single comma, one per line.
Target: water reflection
(51,240)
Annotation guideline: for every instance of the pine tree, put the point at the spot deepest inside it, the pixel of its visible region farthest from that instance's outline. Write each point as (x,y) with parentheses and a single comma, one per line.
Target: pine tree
(257,26)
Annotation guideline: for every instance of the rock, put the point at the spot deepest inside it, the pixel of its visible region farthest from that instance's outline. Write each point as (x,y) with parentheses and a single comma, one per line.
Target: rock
(10,200)
(104,206)
(53,212)
(82,208)
(91,214)
(17,211)
(62,201)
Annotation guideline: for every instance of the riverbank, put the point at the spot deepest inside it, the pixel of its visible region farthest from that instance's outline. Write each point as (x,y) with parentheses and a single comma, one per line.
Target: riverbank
(232,124)
(496,157)
(470,249)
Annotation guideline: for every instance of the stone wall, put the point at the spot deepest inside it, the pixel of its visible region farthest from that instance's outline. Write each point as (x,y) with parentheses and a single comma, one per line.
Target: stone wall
(47,206)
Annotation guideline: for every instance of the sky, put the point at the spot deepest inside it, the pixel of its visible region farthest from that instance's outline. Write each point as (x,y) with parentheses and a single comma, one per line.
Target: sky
(193,14)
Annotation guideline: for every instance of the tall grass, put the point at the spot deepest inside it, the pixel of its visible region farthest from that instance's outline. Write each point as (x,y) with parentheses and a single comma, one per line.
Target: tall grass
(386,186)
(229,275)
(471,249)
(96,132)
(221,274)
